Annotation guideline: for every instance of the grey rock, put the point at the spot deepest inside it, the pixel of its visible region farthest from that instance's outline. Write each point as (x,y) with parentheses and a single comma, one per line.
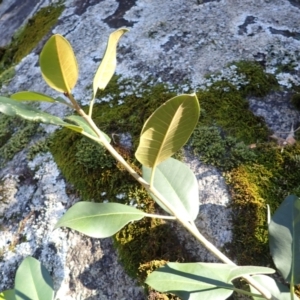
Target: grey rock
(169,41)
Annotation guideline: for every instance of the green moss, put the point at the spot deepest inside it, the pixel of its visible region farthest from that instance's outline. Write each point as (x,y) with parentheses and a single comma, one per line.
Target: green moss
(149,239)
(41,146)
(225,107)
(260,83)
(6,76)
(27,38)
(219,150)
(273,176)
(15,135)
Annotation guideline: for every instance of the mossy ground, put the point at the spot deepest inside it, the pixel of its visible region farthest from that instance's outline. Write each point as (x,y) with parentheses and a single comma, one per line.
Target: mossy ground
(27,37)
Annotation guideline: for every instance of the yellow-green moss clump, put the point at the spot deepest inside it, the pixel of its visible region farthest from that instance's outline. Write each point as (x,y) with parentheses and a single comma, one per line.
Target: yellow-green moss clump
(28,37)
(268,180)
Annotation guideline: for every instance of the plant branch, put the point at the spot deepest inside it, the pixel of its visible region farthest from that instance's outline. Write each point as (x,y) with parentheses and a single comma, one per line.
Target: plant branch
(186,223)
(160,217)
(91,106)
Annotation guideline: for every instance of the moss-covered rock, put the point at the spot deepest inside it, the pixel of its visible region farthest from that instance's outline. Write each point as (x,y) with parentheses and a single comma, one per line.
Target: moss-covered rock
(214,148)
(225,106)
(226,129)
(260,83)
(15,135)
(27,37)
(274,175)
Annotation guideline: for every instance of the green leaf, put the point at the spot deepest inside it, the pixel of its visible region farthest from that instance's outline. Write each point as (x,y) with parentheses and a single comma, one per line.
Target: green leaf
(284,239)
(109,61)
(31,96)
(240,271)
(99,220)
(33,281)
(277,289)
(8,295)
(84,125)
(58,64)
(179,186)
(34,96)
(193,281)
(167,129)
(15,108)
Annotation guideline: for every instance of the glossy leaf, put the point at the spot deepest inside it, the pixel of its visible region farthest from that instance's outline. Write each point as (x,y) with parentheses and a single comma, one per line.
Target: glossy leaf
(167,129)
(99,220)
(193,281)
(179,186)
(109,61)
(277,289)
(8,295)
(33,281)
(58,64)
(284,239)
(15,108)
(84,125)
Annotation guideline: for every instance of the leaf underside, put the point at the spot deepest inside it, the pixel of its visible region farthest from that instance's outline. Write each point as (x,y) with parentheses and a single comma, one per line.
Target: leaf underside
(193,281)
(167,129)
(58,64)
(109,61)
(99,220)
(33,281)
(284,239)
(178,184)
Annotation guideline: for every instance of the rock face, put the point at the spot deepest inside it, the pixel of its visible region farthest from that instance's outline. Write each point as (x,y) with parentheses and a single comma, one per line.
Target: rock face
(13,14)
(170,41)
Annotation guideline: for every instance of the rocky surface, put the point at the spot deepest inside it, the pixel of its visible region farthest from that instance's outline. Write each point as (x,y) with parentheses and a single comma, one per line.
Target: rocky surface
(14,13)
(170,41)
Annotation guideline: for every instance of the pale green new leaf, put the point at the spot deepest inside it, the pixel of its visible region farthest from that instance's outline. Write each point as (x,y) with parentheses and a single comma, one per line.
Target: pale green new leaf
(15,108)
(284,239)
(8,295)
(167,129)
(58,64)
(179,186)
(33,281)
(109,61)
(99,220)
(83,124)
(193,281)
(277,289)
(34,96)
